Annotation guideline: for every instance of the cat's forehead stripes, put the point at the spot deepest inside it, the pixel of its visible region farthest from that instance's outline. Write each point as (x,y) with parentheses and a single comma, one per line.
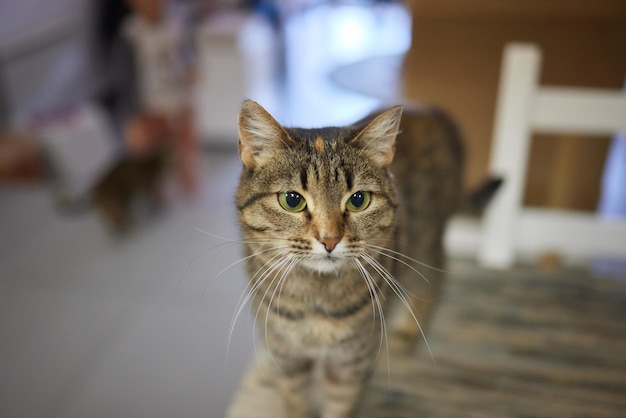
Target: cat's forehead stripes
(330,164)
(304,178)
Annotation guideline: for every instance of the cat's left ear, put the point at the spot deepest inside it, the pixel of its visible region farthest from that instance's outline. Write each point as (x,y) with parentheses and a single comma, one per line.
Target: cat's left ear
(260,135)
(378,137)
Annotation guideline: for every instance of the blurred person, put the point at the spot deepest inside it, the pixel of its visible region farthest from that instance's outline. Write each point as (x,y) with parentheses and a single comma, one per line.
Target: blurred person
(149,83)
(165,77)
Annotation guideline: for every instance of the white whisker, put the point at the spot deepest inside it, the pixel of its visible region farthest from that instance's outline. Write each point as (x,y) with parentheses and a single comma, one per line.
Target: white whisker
(421,263)
(371,284)
(293,264)
(266,250)
(237,241)
(282,263)
(399,261)
(365,275)
(279,285)
(251,290)
(189,264)
(206,288)
(399,290)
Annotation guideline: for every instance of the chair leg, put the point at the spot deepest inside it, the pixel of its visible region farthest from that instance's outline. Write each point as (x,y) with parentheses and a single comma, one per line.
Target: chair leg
(509,155)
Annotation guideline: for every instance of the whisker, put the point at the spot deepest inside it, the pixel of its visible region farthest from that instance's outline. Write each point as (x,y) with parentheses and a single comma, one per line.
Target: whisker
(279,285)
(189,264)
(227,240)
(251,290)
(421,263)
(293,264)
(383,330)
(239,241)
(206,288)
(266,250)
(282,263)
(399,290)
(364,274)
(201,253)
(258,279)
(214,235)
(371,248)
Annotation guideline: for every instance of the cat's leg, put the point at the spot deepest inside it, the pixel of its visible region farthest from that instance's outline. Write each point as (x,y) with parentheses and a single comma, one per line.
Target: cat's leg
(295,390)
(346,372)
(344,387)
(292,377)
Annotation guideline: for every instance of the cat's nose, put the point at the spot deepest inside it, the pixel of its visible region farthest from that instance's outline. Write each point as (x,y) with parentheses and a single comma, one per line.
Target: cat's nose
(330,242)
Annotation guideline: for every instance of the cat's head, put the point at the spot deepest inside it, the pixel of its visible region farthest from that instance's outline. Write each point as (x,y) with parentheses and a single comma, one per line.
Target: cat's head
(316,196)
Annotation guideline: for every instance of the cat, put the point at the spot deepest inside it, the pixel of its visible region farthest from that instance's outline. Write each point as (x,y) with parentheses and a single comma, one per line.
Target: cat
(130,183)
(343,237)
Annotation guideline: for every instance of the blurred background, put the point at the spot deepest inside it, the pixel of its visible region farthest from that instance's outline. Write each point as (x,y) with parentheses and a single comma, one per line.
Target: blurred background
(119,271)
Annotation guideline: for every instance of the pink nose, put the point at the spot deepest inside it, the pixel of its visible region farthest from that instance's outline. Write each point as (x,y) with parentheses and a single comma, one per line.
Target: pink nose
(329,242)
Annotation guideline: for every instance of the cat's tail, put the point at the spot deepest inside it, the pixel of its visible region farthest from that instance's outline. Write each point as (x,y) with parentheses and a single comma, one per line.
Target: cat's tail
(475,201)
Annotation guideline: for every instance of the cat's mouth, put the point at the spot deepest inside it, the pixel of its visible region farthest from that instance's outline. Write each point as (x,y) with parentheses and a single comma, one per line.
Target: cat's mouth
(327,263)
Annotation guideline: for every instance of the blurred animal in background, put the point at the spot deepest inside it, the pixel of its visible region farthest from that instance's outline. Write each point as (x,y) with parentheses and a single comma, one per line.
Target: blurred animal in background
(134,187)
(151,73)
(162,55)
(130,189)
(148,88)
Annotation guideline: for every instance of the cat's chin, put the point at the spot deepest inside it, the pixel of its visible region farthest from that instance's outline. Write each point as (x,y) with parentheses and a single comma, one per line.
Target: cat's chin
(324,265)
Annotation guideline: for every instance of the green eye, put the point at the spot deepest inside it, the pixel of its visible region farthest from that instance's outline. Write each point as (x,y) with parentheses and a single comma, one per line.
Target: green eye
(358,201)
(291,201)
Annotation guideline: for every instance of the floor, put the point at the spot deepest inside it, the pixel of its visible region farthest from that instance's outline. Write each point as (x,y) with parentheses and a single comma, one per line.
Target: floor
(95,326)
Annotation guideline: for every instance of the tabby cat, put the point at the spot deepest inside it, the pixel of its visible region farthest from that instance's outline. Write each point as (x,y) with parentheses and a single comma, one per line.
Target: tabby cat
(335,229)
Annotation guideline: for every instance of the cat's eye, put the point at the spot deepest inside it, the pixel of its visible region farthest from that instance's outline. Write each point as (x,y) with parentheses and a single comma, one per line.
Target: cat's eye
(292,201)
(358,201)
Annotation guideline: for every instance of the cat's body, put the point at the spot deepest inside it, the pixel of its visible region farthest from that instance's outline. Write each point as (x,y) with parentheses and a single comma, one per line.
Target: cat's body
(325,215)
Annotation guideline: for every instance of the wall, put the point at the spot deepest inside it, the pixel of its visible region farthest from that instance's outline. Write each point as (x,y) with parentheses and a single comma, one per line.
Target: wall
(455,63)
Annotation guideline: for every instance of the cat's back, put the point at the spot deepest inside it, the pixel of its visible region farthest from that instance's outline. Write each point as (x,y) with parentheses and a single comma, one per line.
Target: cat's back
(428,168)
(429,161)
(429,140)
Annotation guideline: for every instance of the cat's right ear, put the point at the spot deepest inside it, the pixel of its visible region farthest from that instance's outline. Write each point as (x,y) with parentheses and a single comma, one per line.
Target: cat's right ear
(260,135)
(378,138)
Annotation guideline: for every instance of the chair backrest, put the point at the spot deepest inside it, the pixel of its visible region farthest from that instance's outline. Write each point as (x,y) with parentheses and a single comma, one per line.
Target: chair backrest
(524,107)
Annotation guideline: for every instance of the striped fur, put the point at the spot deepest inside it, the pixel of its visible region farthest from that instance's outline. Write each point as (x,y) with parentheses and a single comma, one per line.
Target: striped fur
(321,279)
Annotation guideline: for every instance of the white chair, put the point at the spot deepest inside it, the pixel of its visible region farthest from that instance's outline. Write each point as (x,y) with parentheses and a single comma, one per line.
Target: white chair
(524,107)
